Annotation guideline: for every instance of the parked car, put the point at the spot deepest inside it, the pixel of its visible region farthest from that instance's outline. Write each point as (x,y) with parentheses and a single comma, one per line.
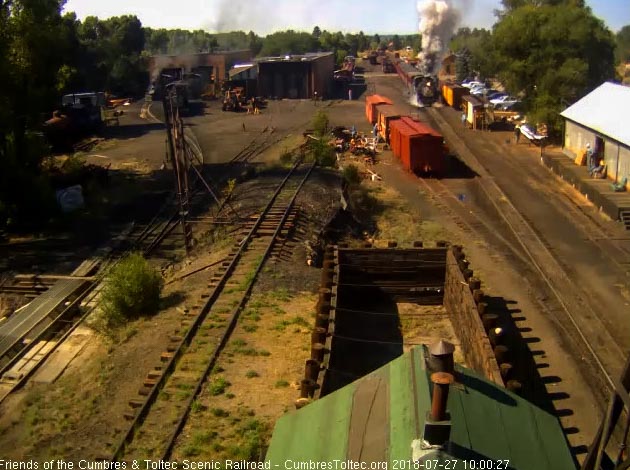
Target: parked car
(510,106)
(477,89)
(528,131)
(494,95)
(507,105)
(503,99)
(472,84)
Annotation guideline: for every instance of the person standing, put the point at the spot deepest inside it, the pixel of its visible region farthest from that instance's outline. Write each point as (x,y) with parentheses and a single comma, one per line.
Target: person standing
(463,118)
(517,133)
(590,157)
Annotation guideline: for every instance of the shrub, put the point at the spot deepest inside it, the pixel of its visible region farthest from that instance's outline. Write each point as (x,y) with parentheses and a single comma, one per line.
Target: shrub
(323,153)
(321,123)
(351,174)
(132,289)
(286,158)
(218,386)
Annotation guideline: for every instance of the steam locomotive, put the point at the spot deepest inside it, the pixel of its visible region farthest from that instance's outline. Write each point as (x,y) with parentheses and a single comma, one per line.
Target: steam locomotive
(423,87)
(426,89)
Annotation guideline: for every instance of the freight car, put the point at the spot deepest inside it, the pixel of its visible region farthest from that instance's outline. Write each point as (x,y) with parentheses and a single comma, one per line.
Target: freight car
(424,88)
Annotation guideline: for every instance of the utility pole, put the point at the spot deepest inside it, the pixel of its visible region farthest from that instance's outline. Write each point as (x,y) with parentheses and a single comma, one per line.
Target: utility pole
(179,161)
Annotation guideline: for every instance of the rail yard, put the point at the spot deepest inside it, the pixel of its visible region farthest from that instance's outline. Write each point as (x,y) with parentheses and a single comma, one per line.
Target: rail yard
(288,283)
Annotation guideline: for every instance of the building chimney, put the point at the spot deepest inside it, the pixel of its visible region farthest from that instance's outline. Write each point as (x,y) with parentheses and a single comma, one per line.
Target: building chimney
(441,382)
(440,358)
(437,425)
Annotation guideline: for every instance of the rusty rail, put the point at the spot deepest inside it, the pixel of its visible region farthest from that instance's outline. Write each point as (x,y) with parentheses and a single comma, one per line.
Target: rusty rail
(143,410)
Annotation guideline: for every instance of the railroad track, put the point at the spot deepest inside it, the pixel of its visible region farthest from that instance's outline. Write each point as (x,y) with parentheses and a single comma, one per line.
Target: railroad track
(574,316)
(160,412)
(466,220)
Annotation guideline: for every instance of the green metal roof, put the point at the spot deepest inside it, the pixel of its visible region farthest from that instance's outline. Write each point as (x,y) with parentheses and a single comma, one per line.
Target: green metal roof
(376,419)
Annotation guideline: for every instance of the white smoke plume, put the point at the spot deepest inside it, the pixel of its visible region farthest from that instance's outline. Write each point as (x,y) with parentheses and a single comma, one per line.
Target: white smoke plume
(438,20)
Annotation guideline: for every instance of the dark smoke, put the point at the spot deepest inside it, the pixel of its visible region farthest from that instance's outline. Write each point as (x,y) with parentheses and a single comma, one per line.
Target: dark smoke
(438,20)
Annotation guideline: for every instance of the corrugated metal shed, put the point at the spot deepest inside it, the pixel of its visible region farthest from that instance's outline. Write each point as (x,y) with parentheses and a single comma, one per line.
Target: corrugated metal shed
(604,110)
(376,418)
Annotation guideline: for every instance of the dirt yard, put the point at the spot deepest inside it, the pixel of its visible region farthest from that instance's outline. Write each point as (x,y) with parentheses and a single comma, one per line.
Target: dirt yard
(256,379)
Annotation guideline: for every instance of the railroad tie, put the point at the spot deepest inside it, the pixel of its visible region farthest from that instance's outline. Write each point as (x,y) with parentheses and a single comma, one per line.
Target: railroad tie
(150,383)
(166,356)
(135,403)
(154,374)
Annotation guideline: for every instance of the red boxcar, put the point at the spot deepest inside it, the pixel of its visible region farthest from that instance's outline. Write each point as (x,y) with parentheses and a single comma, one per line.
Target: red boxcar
(386,114)
(371,101)
(419,147)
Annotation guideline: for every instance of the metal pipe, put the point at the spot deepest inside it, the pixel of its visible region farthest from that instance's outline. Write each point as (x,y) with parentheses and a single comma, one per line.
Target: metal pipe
(441,382)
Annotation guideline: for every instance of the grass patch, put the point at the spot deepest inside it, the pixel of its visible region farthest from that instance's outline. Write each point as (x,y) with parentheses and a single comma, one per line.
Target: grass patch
(281,384)
(218,386)
(220,413)
(197,407)
(250,374)
(250,328)
(281,294)
(253,435)
(282,325)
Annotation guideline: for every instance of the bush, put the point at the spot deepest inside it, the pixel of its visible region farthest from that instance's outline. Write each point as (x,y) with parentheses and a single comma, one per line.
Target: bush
(351,174)
(323,153)
(286,158)
(321,123)
(132,289)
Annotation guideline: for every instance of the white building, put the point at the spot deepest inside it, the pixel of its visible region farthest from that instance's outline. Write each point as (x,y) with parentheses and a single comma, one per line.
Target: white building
(602,119)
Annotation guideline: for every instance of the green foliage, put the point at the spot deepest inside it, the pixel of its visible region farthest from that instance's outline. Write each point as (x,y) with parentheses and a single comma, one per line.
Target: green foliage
(321,123)
(322,153)
(551,54)
(253,435)
(218,386)
(351,174)
(132,289)
(250,374)
(474,52)
(286,157)
(288,42)
(463,64)
(220,413)
(622,52)
(281,384)
(340,56)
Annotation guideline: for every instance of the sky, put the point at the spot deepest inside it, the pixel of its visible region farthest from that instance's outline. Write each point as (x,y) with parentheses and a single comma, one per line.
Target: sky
(265,16)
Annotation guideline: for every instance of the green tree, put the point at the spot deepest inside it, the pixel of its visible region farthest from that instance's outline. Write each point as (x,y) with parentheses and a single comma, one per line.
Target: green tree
(552,53)
(396,42)
(34,50)
(317,32)
(622,53)
(463,60)
(288,42)
(480,55)
(362,42)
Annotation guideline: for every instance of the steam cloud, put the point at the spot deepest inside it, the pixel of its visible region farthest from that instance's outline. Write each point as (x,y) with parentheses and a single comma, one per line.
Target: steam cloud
(438,20)
(264,16)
